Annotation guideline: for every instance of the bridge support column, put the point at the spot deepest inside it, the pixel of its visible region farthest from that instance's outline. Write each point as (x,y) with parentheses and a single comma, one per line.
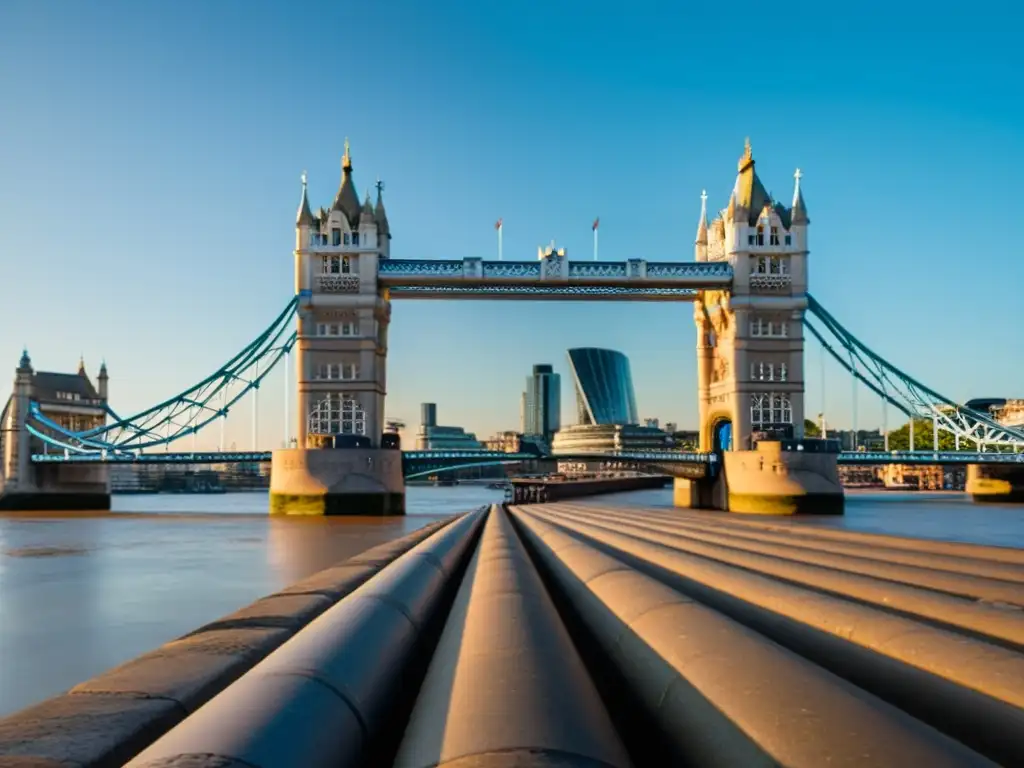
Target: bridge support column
(50,487)
(777,478)
(996,482)
(342,481)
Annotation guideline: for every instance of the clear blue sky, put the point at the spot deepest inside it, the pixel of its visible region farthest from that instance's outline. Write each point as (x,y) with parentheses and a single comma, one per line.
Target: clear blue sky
(150,155)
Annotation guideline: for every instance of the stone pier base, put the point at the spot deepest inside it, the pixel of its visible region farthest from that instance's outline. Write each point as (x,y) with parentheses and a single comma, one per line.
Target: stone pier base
(996,482)
(49,501)
(774,479)
(337,481)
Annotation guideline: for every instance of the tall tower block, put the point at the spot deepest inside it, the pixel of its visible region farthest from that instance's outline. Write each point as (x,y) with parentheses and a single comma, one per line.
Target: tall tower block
(338,466)
(750,352)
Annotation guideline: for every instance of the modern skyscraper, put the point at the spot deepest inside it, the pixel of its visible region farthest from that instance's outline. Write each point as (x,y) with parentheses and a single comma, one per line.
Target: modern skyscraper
(428,414)
(606,410)
(604,387)
(542,402)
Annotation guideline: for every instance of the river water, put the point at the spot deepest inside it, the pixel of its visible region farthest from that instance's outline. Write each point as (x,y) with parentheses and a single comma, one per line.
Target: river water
(80,593)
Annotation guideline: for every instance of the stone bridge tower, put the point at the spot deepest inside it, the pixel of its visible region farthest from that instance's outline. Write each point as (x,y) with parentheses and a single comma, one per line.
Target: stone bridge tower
(341,366)
(750,340)
(343,317)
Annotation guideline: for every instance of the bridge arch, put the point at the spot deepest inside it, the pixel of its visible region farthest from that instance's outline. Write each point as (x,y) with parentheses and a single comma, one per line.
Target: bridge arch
(721,434)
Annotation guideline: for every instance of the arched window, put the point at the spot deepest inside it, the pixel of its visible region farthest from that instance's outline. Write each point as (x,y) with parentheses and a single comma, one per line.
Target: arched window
(337,414)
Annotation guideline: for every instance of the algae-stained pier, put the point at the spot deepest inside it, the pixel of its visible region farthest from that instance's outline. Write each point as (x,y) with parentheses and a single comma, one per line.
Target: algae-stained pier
(590,636)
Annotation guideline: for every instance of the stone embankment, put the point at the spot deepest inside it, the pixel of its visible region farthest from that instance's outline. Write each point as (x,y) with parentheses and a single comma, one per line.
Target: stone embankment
(595,637)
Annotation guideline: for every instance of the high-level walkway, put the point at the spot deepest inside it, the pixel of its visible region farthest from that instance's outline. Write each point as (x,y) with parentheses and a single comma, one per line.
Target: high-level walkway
(596,637)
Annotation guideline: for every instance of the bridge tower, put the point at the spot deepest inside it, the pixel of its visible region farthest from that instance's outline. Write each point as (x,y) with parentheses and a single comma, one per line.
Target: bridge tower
(341,361)
(343,318)
(750,350)
(72,402)
(750,340)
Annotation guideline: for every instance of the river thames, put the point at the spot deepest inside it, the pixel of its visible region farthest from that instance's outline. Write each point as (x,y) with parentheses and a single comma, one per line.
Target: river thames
(80,593)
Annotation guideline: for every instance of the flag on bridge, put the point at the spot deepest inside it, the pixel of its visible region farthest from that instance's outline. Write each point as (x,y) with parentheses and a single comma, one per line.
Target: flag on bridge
(497,224)
(596,222)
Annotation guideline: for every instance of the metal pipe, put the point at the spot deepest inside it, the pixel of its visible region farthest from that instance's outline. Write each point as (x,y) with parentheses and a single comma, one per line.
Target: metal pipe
(346,669)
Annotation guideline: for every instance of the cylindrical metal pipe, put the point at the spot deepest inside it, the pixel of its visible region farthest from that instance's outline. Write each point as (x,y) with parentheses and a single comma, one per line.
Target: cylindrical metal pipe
(506,681)
(323,697)
(968,688)
(889,585)
(695,672)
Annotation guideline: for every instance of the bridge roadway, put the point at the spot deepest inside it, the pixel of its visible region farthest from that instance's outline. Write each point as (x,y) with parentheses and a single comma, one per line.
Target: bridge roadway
(582,636)
(460,458)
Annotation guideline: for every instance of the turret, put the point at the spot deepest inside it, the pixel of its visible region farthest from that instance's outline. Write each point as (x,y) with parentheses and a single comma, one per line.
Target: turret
(383,228)
(367,224)
(101,381)
(81,366)
(799,215)
(304,220)
(347,201)
(701,241)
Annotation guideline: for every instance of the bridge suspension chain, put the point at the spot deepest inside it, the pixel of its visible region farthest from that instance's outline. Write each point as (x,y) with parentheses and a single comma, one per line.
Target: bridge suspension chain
(187,412)
(901,390)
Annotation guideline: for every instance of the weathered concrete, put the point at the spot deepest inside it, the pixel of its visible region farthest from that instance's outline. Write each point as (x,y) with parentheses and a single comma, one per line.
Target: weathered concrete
(506,682)
(772,481)
(58,488)
(108,719)
(996,482)
(343,481)
(767,481)
(324,697)
(962,685)
(722,694)
(558,490)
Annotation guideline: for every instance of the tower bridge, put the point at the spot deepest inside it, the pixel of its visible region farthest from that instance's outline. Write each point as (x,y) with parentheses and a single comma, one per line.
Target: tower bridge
(747,281)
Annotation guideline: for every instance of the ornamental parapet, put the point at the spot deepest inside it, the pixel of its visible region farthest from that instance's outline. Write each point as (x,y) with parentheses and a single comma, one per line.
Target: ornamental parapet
(553,269)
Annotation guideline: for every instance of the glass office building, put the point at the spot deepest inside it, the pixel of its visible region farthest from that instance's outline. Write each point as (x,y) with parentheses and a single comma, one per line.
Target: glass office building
(604,387)
(542,402)
(607,416)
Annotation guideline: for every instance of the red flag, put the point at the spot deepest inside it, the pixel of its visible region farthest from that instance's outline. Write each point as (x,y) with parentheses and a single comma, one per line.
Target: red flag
(497,224)
(596,222)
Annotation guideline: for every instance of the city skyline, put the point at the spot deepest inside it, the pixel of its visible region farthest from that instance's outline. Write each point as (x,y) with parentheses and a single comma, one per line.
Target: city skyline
(178,185)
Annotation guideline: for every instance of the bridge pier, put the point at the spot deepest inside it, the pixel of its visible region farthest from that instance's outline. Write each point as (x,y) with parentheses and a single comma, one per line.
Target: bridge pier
(342,481)
(996,482)
(777,478)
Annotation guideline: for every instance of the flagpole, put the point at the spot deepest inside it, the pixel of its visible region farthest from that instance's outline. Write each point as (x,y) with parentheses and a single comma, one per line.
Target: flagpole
(499,226)
(594,227)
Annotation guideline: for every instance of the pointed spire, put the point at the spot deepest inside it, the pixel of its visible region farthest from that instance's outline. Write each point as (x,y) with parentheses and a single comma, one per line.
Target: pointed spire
(749,194)
(347,199)
(81,365)
(379,213)
(305,215)
(799,207)
(702,225)
(748,155)
(366,217)
(103,370)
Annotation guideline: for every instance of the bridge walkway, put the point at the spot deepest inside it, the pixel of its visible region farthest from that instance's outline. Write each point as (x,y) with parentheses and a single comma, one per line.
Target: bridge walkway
(597,636)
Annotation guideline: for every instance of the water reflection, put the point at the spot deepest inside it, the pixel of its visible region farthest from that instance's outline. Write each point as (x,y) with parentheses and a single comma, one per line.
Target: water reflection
(80,593)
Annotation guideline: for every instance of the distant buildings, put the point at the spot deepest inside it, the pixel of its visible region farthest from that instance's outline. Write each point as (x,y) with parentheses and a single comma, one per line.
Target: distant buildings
(431,437)
(541,405)
(606,407)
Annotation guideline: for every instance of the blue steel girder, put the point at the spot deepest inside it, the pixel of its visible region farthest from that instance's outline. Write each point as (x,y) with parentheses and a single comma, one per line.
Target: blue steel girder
(929,457)
(186,413)
(901,390)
